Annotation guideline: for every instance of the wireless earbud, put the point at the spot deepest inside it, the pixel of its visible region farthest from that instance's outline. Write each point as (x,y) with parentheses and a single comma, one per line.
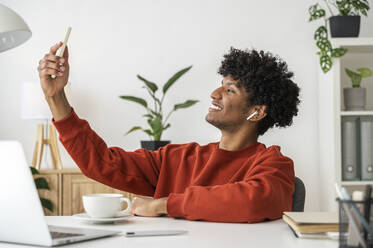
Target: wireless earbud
(250,116)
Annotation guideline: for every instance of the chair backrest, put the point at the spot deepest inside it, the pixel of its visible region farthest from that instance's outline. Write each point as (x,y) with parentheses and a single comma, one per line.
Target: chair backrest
(299,195)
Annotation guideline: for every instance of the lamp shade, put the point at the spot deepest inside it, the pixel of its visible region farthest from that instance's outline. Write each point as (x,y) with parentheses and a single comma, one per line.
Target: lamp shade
(33,103)
(13,30)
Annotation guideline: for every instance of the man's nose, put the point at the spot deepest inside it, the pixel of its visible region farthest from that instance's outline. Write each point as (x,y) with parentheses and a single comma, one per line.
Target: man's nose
(216,94)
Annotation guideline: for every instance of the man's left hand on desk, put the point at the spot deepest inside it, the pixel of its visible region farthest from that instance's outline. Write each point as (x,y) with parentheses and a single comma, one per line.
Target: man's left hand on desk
(149,207)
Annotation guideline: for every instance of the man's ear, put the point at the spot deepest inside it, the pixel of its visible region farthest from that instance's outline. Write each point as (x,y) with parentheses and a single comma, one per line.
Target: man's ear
(260,112)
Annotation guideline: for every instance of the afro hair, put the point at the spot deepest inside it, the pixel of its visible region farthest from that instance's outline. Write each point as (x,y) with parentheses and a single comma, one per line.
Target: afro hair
(267,80)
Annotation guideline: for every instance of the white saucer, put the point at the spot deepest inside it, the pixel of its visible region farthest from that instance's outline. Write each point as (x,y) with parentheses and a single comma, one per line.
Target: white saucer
(87,218)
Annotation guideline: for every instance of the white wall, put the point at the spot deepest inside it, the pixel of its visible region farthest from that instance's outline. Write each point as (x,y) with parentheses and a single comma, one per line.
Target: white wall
(112,41)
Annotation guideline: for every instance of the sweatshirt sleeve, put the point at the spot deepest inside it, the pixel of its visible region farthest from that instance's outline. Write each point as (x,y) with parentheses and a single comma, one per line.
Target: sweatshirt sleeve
(265,194)
(136,172)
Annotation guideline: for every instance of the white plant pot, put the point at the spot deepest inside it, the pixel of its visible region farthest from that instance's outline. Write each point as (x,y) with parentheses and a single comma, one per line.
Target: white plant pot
(354,98)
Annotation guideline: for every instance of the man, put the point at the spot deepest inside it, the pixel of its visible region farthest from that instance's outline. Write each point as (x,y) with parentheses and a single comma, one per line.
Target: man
(235,180)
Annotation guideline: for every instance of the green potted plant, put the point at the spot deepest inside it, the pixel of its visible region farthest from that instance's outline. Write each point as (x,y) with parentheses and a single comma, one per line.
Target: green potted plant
(41,183)
(345,24)
(355,97)
(155,117)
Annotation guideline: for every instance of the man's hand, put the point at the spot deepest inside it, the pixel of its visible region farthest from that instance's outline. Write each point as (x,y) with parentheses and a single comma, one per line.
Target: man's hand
(51,64)
(149,207)
(53,89)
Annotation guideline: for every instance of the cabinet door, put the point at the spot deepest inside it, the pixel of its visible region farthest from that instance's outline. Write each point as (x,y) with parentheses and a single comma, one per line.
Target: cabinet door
(77,185)
(51,194)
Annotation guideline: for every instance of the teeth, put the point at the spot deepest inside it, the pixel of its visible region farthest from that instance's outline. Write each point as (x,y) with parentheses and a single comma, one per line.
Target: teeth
(215,107)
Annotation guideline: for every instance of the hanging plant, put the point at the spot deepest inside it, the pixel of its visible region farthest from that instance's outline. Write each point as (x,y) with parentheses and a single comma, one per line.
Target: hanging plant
(345,8)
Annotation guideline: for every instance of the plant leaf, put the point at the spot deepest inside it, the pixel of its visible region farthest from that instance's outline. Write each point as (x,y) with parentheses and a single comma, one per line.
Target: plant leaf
(156,126)
(315,12)
(350,73)
(321,33)
(46,204)
(41,183)
(365,72)
(148,116)
(355,78)
(175,77)
(157,114)
(324,45)
(148,131)
(152,86)
(135,99)
(338,52)
(133,129)
(153,96)
(325,63)
(356,81)
(186,104)
(344,7)
(167,126)
(34,171)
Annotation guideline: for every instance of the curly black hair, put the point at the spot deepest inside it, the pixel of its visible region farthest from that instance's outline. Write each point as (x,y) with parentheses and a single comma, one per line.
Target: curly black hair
(267,80)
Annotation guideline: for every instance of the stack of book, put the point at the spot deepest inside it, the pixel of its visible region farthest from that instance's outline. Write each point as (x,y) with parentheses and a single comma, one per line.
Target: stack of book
(319,225)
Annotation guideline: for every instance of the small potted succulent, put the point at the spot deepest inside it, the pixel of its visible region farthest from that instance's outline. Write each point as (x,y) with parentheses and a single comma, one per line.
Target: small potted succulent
(344,24)
(155,117)
(355,97)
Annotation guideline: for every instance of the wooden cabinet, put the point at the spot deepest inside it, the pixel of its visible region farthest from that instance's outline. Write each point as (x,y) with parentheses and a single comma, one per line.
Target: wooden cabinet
(67,187)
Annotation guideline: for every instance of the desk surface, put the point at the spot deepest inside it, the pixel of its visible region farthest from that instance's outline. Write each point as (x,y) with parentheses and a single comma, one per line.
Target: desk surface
(200,234)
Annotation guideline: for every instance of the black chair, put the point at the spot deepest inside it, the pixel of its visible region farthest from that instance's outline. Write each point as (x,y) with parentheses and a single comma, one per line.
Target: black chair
(299,196)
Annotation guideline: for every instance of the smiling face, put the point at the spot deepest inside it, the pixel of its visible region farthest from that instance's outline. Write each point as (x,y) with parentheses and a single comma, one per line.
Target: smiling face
(229,107)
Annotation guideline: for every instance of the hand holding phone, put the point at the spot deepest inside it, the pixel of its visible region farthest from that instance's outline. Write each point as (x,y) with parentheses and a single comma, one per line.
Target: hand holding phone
(62,49)
(54,68)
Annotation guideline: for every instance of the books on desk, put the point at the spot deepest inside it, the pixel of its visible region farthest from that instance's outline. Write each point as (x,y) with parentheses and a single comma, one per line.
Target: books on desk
(321,225)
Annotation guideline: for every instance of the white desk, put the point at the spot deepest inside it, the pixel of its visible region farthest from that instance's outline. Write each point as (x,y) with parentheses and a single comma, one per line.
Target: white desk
(274,234)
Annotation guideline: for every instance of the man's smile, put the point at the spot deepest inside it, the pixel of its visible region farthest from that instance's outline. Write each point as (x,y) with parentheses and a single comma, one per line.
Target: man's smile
(214,107)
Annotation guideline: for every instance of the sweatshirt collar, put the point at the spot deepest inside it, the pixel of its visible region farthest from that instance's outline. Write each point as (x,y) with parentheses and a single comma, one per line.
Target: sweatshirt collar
(245,150)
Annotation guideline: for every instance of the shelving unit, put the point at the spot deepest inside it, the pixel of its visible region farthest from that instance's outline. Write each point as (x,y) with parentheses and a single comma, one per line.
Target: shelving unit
(332,111)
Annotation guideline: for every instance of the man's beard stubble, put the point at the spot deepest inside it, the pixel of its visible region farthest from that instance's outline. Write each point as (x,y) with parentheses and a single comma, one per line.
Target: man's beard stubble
(223,126)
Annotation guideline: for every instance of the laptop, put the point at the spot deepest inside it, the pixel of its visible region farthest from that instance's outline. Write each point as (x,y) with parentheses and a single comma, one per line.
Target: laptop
(21,214)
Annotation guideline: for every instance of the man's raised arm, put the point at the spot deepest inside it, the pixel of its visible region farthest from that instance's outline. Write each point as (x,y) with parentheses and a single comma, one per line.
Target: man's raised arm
(135,172)
(53,89)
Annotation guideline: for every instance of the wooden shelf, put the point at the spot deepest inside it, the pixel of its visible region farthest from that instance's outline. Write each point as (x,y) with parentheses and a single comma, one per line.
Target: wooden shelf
(355,113)
(354,45)
(349,183)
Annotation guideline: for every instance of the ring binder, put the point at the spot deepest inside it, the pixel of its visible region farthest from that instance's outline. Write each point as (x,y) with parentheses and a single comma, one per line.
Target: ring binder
(350,149)
(366,137)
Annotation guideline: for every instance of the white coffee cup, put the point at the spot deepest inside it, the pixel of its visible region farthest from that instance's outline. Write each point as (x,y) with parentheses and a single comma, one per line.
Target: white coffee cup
(105,205)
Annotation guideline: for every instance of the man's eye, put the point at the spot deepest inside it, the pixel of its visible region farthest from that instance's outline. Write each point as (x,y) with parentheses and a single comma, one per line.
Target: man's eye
(229,90)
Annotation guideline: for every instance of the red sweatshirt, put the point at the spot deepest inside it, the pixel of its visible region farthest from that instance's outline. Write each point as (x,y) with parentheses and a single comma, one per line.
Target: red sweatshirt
(201,182)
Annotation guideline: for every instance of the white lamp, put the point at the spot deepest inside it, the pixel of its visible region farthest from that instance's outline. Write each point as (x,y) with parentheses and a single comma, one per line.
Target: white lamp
(13,30)
(34,106)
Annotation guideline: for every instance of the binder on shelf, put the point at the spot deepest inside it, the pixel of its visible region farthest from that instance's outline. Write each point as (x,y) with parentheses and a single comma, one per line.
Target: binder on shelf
(350,148)
(366,145)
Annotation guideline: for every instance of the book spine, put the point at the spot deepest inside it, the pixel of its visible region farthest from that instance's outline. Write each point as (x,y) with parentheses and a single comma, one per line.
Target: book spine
(350,134)
(366,139)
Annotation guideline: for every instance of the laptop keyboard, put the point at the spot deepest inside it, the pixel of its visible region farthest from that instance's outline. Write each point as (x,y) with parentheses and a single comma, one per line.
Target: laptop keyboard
(58,235)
